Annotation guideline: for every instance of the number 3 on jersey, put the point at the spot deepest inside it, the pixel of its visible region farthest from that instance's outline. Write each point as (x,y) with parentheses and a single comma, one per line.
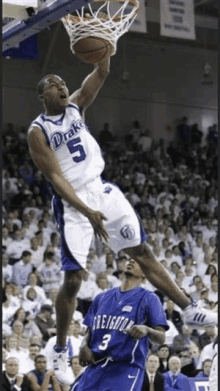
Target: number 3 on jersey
(74,146)
(105,341)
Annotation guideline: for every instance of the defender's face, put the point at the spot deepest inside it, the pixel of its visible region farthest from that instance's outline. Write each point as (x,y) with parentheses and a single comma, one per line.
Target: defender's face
(56,93)
(133,268)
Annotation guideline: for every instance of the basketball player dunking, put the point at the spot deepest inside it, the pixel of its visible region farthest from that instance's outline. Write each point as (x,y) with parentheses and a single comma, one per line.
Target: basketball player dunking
(71,160)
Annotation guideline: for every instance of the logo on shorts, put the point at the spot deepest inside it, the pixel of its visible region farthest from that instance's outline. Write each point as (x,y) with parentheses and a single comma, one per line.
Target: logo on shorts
(127,232)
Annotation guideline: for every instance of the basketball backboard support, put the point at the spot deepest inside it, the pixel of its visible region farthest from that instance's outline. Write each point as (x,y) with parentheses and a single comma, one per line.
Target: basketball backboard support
(14,9)
(46,14)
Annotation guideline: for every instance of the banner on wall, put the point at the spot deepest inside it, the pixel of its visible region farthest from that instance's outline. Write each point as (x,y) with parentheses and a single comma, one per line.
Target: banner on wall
(177,19)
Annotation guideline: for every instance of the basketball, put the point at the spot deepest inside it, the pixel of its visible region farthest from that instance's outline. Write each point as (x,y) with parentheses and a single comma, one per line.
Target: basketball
(92,49)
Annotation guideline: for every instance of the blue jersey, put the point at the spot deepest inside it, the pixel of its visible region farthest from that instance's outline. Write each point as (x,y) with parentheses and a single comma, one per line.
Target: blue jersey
(112,312)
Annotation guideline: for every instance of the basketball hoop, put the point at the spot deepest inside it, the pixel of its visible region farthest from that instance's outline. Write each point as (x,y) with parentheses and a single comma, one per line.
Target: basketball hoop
(101,23)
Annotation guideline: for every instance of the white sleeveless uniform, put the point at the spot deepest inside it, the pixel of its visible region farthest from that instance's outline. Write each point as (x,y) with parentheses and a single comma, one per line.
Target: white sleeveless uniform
(81,162)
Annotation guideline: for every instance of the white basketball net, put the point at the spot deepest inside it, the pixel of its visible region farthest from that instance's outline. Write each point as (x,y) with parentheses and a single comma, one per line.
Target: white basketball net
(101,23)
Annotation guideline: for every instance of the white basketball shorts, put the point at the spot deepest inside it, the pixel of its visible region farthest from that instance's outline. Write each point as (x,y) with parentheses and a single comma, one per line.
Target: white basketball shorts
(122,224)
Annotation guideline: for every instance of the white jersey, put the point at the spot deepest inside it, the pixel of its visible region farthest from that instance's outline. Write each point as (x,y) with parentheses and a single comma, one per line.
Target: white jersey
(76,150)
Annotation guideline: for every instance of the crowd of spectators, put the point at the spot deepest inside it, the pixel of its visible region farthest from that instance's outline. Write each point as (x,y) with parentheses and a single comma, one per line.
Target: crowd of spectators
(173,189)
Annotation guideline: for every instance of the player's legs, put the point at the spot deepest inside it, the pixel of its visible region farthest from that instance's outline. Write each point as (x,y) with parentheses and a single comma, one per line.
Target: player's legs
(76,234)
(65,304)
(194,314)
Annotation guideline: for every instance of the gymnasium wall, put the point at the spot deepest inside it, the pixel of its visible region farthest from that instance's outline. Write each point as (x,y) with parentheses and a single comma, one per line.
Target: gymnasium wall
(164,84)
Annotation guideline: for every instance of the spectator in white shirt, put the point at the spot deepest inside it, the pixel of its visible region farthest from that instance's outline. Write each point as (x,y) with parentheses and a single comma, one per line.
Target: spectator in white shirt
(55,246)
(13,300)
(208,231)
(89,289)
(22,269)
(211,269)
(13,349)
(17,246)
(102,282)
(98,263)
(87,292)
(175,208)
(184,236)
(46,231)
(7,315)
(212,243)
(207,352)
(77,316)
(30,328)
(213,293)
(176,255)
(33,283)
(6,239)
(174,268)
(132,197)
(49,273)
(28,365)
(213,378)
(40,237)
(213,201)
(6,268)
(15,218)
(113,281)
(189,270)
(196,294)
(92,276)
(37,252)
(198,248)
(169,235)
(32,302)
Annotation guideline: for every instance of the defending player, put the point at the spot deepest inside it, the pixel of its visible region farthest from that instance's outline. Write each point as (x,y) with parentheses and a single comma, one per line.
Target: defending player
(120,324)
(71,160)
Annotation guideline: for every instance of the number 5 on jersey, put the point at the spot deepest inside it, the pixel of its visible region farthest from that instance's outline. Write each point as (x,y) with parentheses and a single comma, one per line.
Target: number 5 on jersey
(74,146)
(105,341)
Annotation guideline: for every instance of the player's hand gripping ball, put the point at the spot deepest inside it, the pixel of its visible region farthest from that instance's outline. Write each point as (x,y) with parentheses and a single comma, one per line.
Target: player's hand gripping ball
(137,331)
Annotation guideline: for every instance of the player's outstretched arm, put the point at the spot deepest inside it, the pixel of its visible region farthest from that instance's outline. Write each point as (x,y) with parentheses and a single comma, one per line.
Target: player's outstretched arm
(47,163)
(91,85)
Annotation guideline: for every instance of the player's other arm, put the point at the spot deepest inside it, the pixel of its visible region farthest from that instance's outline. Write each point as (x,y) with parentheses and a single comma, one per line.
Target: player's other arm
(85,354)
(156,334)
(46,162)
(91,85)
